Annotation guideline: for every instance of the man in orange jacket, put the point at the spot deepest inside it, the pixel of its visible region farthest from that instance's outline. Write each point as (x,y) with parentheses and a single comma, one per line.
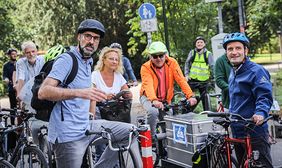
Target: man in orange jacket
(158,76)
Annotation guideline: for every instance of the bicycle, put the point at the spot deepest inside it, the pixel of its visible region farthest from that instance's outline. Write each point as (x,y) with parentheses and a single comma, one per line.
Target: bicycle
(220,107)
(206,87)
(25,153)
(126,160)
(5,164)
(45,146)
(221,145)
(180,105)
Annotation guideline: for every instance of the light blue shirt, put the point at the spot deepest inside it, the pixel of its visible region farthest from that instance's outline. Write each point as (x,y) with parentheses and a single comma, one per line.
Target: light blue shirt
(26,71)
(75,111)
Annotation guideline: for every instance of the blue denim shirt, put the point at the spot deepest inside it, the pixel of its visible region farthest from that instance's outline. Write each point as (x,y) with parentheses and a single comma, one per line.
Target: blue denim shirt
(250,91)
(75,111)
(128,73)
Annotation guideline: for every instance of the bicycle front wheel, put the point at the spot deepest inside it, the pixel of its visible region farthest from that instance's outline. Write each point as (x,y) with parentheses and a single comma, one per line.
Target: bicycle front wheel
(219,159)
(32,158)
(130,160)
(5,164)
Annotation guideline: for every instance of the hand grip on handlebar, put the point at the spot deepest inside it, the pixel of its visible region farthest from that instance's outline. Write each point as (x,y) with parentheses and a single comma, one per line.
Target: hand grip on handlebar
(217,114)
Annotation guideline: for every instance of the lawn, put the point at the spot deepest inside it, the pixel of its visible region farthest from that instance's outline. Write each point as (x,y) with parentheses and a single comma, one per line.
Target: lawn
(267,58)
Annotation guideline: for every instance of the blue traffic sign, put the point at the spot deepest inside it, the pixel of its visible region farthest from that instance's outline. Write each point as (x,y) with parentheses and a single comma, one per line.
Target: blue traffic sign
(147,11)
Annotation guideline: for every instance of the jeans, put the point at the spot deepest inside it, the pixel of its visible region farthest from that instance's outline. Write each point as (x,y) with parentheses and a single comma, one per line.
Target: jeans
(152,112)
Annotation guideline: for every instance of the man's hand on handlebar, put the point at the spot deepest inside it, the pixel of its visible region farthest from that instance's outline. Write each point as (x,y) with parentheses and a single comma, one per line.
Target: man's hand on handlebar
(192,101)
(258,119)
(158,104)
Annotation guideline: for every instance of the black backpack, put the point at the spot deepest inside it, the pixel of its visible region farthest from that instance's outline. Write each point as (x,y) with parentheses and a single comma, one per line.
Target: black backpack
(44,108)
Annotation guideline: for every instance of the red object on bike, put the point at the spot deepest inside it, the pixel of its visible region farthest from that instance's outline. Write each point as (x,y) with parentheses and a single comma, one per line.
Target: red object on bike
(146,148)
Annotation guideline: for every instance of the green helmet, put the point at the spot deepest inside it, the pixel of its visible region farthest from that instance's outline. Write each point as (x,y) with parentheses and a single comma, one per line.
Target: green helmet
(157,47)
(53,52)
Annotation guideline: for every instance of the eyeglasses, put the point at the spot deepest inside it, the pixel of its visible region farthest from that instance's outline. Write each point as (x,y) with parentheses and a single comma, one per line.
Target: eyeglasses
(155,56)
(113,59)
(89,37)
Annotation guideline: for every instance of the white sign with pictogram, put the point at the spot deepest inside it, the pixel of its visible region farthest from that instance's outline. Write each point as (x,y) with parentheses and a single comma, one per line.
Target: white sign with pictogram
(149,25)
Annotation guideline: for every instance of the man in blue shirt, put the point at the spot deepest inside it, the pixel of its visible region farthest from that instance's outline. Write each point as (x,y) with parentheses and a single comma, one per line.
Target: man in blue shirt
(250,93)
(70,116)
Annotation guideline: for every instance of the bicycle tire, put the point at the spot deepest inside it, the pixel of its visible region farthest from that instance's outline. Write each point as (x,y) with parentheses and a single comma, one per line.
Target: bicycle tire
(5,164)
(32,154)
(45,147)
(219,159)
(130,159)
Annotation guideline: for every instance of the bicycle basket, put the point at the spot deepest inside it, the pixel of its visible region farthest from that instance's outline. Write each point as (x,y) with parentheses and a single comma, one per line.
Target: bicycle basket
(117,111)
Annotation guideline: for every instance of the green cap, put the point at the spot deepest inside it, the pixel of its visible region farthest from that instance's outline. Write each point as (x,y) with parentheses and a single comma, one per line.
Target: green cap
(157,47)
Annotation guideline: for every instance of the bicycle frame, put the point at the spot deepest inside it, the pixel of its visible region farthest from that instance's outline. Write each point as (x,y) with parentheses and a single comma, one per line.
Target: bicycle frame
(247,141)
(225,120)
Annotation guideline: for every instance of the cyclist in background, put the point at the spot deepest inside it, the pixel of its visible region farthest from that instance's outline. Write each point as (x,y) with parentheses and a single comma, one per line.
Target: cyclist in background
(158,76)
(8,70)
(222,70)
(29,66)
(199,68)
(250,92)
(128,72)
(70,116)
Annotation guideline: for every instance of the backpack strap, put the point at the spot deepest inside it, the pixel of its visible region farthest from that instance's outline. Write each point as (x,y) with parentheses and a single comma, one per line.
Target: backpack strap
(193,56)
(71,76)
(206,58)
(74,69)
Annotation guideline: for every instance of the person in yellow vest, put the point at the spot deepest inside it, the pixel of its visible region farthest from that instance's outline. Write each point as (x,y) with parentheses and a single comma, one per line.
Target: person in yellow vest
(198,69)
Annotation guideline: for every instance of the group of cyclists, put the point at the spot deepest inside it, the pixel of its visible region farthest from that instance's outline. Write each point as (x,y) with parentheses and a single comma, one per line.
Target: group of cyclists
(249,88)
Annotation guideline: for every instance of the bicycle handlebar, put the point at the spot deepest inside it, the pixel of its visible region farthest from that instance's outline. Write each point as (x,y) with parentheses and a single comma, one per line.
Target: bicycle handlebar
(115,99)
(106,134)
(234,117)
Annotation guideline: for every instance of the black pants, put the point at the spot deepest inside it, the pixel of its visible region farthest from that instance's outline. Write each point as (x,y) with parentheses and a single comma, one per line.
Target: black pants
(13,103)
(202,87)
(258,144)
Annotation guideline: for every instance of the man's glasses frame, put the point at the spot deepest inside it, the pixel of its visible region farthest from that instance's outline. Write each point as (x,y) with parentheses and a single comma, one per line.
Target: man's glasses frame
(89,37)
(155,56)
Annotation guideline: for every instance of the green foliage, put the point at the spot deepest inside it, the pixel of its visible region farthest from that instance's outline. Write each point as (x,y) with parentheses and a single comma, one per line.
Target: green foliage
(55,21)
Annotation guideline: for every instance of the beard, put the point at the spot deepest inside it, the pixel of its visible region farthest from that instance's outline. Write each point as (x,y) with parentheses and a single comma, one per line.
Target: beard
(85,52)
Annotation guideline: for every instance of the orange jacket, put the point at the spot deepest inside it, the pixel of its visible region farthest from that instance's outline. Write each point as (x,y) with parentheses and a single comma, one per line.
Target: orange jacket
(150,80)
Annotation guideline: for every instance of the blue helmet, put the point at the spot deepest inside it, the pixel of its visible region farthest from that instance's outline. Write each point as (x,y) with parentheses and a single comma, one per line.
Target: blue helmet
(235,37)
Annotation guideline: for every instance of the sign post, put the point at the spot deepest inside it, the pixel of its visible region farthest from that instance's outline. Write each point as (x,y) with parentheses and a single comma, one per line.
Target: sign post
(148,23)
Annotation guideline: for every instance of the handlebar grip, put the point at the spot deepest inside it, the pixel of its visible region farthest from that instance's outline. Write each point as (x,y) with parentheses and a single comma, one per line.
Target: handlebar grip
(218,114)
(90,132)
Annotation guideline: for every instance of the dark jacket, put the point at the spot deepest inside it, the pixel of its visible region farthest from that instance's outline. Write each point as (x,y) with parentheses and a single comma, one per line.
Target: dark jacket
(250,91)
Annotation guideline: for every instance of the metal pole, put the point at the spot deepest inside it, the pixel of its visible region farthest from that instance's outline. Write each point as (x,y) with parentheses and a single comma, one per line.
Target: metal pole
(220,24)
(165,26)
(280,41)
(241,19)
(149,38)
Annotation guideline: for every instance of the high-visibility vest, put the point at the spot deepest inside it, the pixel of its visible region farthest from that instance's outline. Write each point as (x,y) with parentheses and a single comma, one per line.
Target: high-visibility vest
(200,69)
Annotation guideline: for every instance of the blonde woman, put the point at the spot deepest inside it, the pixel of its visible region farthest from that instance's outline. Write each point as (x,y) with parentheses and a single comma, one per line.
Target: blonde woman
(108,73)
(108,78)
